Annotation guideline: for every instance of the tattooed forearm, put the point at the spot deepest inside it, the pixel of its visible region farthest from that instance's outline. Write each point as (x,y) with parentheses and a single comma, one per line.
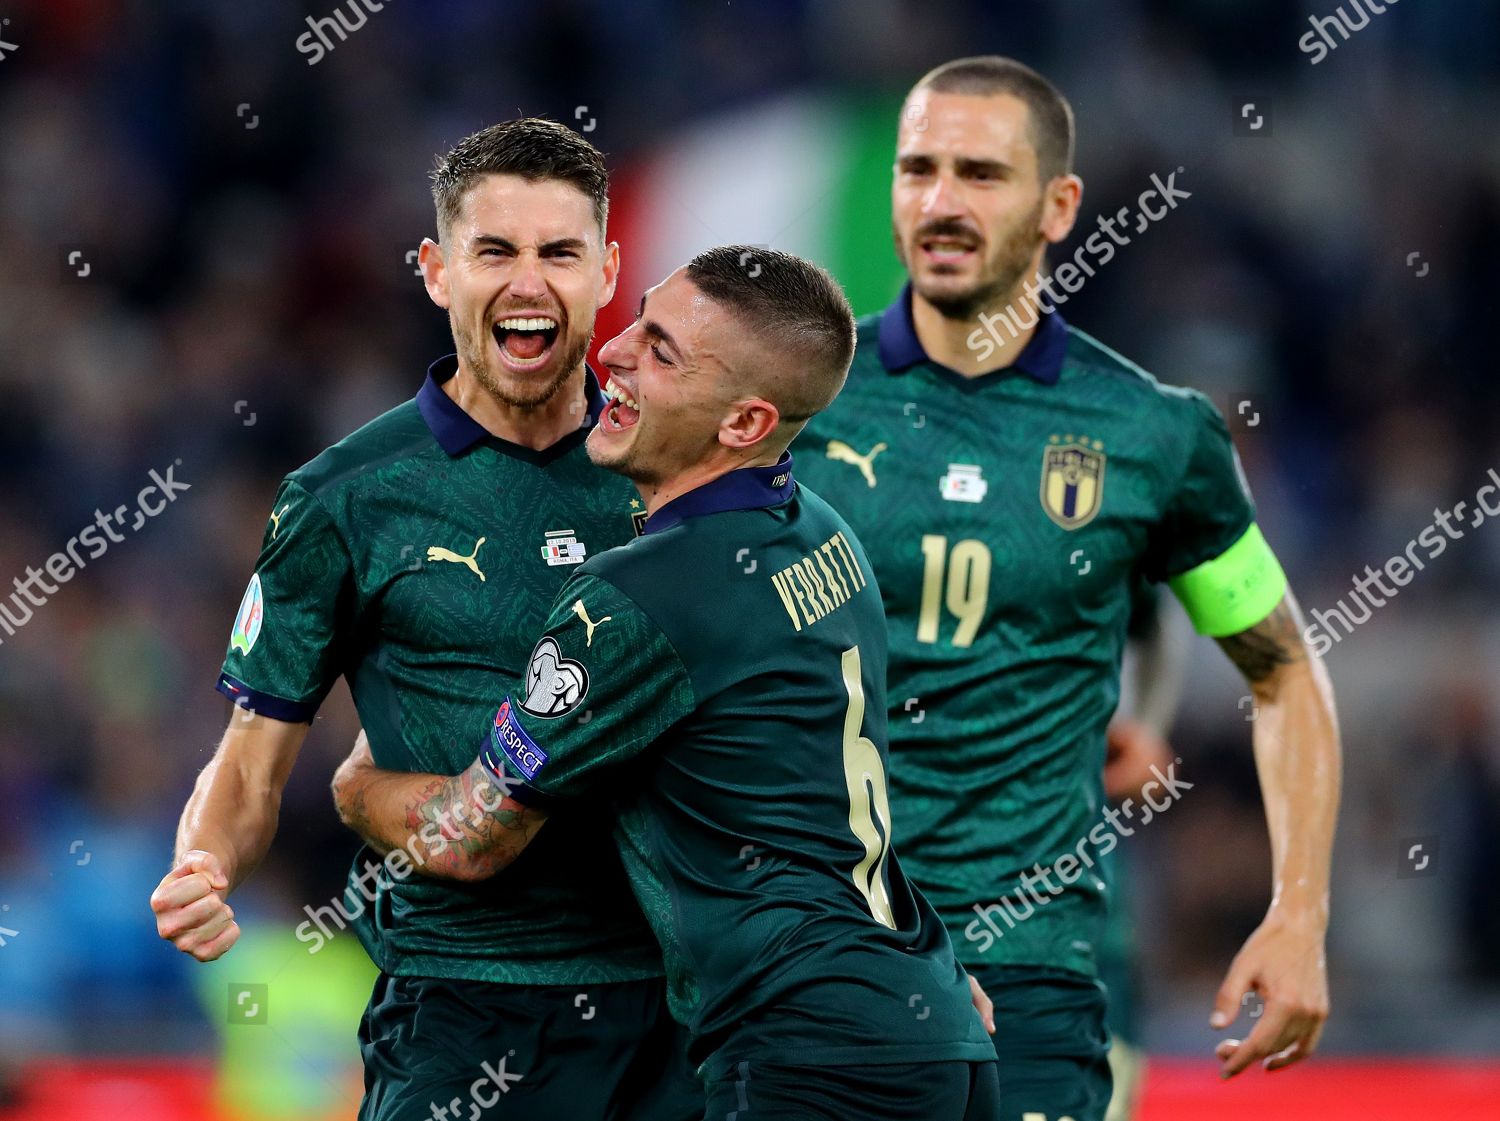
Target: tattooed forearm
(1274,642)
(465,827)
(356,815)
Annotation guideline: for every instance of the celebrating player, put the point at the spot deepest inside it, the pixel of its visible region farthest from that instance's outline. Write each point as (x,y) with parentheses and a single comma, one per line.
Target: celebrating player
(417,558)
(722,680)
(1012,477)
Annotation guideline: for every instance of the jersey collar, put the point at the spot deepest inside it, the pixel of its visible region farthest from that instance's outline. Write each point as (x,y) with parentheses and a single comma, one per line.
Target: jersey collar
(455,430)
(749,488)
(1041,358)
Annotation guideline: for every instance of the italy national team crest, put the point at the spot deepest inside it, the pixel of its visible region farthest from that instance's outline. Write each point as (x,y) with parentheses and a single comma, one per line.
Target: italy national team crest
(1072,480)
(248,622)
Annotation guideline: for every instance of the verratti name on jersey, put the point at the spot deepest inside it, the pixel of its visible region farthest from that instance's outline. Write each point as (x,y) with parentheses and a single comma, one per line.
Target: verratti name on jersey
(820,583)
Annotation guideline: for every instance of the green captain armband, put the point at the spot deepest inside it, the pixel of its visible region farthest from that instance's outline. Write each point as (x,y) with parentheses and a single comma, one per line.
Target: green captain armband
(1235,590)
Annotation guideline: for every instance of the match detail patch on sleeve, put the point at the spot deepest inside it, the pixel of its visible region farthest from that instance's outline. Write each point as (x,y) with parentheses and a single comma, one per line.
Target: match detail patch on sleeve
(508,738)
(1235,590)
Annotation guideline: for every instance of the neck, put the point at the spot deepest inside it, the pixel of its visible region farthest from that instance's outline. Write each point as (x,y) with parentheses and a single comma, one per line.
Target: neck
(657,495)
(1001,329)
(537,427)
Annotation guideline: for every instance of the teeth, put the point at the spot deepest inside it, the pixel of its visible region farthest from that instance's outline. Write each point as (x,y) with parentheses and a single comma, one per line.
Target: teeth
(536,323)
(617,393)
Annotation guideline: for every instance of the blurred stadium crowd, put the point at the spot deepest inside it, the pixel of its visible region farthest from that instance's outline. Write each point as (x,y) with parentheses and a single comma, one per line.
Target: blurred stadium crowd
(205,243)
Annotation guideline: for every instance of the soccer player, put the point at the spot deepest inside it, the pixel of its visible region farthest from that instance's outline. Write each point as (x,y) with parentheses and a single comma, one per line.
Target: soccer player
(731,666)
(1012,477)
(416,558)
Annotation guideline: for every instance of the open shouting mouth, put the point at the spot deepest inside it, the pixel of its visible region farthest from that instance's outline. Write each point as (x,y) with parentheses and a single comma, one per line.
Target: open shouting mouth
(951,249)
(623,412)
(526,341)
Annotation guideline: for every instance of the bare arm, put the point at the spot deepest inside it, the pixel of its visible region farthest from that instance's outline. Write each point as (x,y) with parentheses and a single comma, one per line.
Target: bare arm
(226,828)
(458,827)
(1297,757)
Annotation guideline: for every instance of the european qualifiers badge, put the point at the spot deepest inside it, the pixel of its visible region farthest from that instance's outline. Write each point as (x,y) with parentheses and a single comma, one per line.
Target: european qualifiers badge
(555,685)
(1072,479)
(964,482)
(562,547)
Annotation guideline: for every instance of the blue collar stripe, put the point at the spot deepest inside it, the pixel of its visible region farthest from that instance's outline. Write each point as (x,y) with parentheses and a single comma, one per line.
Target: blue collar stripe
(749,488)
(455,430)
(1041,358)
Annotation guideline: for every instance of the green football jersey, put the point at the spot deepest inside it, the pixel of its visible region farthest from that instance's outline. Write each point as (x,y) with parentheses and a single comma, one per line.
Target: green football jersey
(417,558)
(1007,517)
(712,678)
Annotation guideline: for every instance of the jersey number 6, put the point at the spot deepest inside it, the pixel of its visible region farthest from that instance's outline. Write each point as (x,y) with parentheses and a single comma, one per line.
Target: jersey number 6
(865,776)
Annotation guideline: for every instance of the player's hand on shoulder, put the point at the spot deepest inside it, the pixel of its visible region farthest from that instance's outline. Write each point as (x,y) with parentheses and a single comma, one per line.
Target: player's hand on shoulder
(191,910)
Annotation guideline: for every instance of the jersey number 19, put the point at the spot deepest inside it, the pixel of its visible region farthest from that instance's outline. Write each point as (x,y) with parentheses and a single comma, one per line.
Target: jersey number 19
(968,587)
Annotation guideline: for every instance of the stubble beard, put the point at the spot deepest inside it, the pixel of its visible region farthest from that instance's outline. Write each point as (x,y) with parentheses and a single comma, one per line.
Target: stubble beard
(1007,268)
(474,351)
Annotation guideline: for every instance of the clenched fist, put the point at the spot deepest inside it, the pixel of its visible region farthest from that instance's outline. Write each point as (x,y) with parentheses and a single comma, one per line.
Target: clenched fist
(191,911)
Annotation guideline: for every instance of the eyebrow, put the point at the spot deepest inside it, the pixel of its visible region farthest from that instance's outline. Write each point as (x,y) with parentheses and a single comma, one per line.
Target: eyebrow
(965,165)
(656,331)
(575,243)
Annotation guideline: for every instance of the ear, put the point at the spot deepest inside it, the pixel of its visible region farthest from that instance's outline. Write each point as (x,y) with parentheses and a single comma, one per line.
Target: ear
(434,272)
(748,423)
(611,272)
(1061,199)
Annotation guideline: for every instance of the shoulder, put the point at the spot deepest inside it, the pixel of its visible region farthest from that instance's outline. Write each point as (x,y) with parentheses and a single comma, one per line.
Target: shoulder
(866,348)
(393,437)
(641,562)
(1107,371)
(867,328)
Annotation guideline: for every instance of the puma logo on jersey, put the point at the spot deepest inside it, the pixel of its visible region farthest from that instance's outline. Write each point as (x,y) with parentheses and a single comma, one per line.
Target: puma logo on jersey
(843,453)
(276,520)
(578,609)
(438,553)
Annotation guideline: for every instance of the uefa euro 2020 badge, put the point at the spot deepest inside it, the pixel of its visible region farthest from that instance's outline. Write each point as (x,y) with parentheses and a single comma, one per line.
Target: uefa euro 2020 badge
(251,615)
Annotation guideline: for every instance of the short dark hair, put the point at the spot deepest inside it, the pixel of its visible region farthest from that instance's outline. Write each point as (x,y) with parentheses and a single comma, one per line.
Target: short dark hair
(796,307)
(531,147)
(1051,117)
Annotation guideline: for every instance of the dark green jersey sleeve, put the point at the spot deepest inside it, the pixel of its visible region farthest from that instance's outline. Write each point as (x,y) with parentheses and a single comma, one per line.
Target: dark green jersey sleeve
(283,655)
(1210,508)
(601,686)
(1207,545)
